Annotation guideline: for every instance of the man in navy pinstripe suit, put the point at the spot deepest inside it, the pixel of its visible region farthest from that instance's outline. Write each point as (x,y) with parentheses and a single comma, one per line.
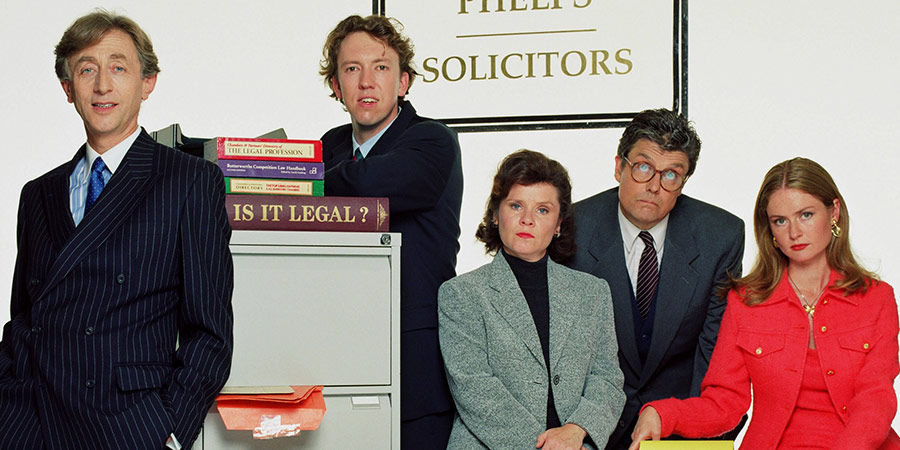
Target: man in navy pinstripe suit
(121,251)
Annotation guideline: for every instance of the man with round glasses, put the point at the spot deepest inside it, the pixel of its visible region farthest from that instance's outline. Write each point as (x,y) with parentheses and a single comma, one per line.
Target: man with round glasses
(643,172)
(663,255)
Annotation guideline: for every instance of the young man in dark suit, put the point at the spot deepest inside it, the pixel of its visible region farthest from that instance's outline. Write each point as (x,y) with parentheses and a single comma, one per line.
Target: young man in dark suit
(387,150)
(663,255)
(121,324)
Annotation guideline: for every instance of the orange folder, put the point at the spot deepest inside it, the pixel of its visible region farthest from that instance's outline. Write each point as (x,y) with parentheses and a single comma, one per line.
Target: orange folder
(303,409)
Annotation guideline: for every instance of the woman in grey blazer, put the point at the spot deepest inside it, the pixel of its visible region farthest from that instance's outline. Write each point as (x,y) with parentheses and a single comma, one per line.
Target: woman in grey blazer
(529,345)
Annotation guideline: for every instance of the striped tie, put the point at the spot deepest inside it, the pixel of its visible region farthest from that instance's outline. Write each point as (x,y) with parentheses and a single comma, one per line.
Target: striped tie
(648,275)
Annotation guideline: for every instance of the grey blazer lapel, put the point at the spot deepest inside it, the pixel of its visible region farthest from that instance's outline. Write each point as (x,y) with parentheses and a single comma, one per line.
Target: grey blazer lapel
(677,281)
(126,188)
(565,306)
(607,248)
(511,304)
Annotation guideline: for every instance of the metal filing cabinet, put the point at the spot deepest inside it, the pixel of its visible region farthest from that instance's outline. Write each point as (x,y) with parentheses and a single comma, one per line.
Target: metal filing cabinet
(316,308)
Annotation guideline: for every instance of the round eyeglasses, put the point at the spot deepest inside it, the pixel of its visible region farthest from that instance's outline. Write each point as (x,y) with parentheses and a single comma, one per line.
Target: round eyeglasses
(643,172)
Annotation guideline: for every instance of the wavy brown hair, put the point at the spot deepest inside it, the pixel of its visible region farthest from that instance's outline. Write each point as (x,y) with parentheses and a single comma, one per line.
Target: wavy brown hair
(384,29)
(526,167)
(808,176)
(89,29)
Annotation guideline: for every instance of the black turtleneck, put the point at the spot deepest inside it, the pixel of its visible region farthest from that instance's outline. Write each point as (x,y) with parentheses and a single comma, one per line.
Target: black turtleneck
(532,279)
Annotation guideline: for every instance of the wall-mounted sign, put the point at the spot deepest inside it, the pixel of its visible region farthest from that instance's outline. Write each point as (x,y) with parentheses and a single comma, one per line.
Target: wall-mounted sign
(538,64)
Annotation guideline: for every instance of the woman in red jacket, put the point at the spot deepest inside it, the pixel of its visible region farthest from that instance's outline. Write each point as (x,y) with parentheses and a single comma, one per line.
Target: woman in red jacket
(810,330)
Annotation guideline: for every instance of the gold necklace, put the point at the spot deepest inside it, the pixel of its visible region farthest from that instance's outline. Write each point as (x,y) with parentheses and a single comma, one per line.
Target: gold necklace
(809,307)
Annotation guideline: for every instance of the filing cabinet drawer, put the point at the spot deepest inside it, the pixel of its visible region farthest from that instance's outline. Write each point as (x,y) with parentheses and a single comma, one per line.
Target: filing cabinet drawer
(351,421)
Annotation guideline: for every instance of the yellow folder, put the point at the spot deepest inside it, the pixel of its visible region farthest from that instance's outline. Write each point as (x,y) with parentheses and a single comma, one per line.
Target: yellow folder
(687,445)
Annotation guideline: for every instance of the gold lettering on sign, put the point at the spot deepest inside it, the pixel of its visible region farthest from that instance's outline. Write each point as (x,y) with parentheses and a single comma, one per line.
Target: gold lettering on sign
(474,60)
(547,61)
(572,63)
(491,6)
(514,63)
(601,63)
(503,65)
(462,68)
(625,62)
(565,67)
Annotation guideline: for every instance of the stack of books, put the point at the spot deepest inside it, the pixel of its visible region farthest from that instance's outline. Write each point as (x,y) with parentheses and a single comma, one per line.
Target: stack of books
(278,184)
(268,166)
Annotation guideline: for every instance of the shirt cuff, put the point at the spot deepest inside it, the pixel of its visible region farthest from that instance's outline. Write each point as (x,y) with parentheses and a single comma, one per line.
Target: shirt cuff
(173,443)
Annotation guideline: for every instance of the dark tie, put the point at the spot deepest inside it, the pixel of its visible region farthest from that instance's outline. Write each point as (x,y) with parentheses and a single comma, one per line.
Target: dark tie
(357,155)
(95,184)
(648,275)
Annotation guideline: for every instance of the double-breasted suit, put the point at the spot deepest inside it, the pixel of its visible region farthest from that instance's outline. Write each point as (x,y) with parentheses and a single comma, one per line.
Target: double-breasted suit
(89,357)
(496,367)
(703,245)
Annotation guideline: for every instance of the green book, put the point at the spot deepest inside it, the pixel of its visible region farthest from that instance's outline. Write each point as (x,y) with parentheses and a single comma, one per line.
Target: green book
(311,188)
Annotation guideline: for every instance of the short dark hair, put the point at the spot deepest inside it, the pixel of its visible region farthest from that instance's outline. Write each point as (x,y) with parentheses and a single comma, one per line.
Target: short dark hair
(526,167)
(663,127)
(89,29)
(385,29)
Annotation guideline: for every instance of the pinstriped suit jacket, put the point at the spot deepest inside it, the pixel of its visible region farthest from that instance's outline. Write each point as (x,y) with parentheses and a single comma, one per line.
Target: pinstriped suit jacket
(89,357)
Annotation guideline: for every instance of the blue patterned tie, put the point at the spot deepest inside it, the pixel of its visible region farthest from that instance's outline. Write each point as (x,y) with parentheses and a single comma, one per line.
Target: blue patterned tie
(648,275)
(357,155)
(95,184)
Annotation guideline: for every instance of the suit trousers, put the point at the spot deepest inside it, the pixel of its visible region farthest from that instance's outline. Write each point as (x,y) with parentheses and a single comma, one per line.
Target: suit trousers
(427,432)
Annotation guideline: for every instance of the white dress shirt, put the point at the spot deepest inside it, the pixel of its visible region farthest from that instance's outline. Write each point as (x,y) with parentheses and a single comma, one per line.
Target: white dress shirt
(78,179)
(634,245)
(366,147)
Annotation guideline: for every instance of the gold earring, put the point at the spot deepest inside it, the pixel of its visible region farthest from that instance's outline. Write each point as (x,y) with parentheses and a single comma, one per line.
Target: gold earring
(835,229)
(774,242)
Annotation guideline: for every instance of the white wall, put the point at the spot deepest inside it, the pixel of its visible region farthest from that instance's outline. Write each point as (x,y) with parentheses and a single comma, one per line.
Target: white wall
(769,80)
(806,78)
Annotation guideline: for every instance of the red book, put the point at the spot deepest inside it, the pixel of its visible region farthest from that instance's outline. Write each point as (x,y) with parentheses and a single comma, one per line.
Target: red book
(262,149)
(296,213)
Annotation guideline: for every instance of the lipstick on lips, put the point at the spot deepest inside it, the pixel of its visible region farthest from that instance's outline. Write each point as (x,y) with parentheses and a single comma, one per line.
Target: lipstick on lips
(798,247)
(525,235)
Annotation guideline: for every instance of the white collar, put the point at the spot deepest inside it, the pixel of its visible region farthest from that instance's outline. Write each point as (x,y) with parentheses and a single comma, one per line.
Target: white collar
(114,156)
(630,232)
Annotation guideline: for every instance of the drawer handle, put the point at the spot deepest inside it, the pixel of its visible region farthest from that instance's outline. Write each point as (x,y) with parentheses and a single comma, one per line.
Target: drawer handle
(365,402)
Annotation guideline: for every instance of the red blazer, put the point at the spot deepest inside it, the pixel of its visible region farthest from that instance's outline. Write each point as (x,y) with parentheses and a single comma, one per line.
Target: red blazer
(765,345)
